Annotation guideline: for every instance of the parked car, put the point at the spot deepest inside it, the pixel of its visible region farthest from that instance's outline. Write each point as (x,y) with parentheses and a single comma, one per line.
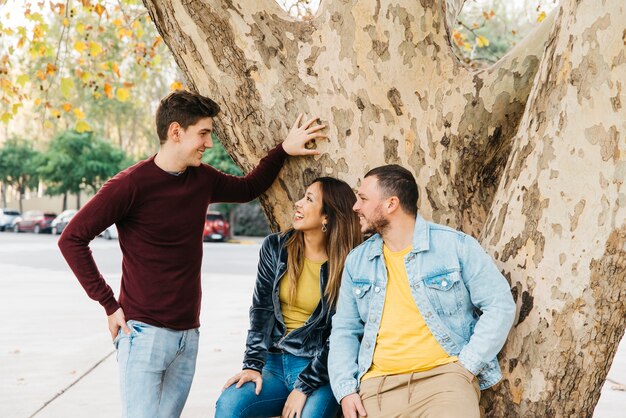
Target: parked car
(109,233)
(35,221)
(7,217)
(60,222)
(216,227)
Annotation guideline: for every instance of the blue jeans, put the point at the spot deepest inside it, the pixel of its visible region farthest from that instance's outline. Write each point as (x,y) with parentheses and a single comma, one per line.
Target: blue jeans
(156,369)
(279,375)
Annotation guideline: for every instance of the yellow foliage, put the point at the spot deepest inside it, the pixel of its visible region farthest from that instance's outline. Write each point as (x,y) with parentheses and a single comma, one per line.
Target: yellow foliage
(79,46)
(80,28)
(16,108)
(95,49)
(79,114)
(82,126)
(99,9)
(22,79)
(541,16)
(67,84)
(124,32)
(117,22)
(176,85)
(122,94)
(6,117)
(66,106)
(66,22)
(481,41)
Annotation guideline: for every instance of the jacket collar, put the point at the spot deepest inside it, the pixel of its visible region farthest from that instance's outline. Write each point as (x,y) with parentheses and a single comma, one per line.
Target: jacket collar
(421,239)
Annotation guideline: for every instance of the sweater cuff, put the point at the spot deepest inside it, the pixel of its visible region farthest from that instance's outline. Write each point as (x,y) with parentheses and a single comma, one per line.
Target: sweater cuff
(110,305)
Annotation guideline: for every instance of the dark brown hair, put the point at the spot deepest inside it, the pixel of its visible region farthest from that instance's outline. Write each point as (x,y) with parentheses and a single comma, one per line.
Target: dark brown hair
(342,235)
(394,180)
(183,107)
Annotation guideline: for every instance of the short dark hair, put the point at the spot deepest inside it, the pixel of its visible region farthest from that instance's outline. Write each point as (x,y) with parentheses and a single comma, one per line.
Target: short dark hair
(394,180)
(183,107)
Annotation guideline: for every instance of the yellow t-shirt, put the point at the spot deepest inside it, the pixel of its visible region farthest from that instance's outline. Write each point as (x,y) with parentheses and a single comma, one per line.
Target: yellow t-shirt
(404,343)
(308,294)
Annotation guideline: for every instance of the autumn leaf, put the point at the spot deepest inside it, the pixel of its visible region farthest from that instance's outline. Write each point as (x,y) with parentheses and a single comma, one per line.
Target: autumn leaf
(6,117)
(22,79)
(66,106)
(67,84)
(80,28)
(115,69)
(481,41)
(108,91)
(122,94)
(82,126)
(79,46)
(176,85)
(95,49)
(99,9)
(79,114)
(541,16)
(50,69)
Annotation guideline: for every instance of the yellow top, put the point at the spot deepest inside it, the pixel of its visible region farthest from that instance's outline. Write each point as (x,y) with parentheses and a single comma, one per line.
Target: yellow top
(308,294)
(404,343)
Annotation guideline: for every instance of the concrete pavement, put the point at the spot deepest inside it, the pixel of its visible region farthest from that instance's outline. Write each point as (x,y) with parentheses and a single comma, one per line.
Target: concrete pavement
(57,360)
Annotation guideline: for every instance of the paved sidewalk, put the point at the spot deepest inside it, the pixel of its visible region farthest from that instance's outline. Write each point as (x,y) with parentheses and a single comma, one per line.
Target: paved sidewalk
(52,336)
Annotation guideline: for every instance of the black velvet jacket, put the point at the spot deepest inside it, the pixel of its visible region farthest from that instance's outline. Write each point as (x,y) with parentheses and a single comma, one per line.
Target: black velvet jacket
(267,329)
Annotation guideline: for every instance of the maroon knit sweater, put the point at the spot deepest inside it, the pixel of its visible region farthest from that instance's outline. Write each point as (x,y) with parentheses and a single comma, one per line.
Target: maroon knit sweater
(160,219)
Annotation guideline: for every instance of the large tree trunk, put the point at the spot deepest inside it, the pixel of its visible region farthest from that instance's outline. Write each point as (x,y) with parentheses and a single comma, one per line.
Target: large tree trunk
(382,75)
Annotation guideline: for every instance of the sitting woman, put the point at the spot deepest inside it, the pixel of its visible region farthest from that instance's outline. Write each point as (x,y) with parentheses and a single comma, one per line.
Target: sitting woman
(284,368)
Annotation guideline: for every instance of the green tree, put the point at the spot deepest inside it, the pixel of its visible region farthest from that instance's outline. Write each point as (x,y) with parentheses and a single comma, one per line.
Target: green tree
(18,166)
(76,161)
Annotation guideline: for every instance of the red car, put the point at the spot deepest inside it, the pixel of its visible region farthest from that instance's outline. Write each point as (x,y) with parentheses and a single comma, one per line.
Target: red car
(216,227)
(35,221)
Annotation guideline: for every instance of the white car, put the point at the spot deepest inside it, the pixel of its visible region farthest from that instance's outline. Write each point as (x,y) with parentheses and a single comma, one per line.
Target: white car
(109,233)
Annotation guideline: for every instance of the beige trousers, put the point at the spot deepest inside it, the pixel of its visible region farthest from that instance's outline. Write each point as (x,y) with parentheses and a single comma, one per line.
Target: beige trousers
(448,391)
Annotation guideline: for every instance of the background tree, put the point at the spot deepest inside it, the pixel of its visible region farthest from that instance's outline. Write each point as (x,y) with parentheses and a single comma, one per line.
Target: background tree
(524,154)
(76,161)
(84,65)
(244,218)
(18,162)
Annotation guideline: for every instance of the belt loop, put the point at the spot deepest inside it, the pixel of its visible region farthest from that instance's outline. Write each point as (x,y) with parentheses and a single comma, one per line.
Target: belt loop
(378,395)
(408,386)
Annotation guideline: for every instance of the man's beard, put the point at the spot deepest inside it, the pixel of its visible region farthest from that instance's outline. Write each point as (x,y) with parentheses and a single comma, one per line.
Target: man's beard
(378,223)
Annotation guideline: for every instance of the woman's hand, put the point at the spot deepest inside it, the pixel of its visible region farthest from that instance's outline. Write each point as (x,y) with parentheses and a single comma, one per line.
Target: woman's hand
(294,404)
(246,375)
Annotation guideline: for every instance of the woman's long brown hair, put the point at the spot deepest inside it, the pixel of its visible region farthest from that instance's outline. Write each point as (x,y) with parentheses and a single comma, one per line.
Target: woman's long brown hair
(342,235)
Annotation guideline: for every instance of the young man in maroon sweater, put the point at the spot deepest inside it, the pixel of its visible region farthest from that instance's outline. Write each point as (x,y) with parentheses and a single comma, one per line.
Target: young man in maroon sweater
(159,207)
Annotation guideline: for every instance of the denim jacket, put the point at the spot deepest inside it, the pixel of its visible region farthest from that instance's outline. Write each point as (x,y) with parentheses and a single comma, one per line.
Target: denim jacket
(267,329)
(462,296)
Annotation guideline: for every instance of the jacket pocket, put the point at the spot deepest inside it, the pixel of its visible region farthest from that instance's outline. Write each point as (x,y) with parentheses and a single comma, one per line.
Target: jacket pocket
(444,291)
(361,292)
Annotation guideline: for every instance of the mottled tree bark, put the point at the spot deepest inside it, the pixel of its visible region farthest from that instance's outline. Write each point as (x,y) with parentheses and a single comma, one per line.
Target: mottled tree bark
(538,156)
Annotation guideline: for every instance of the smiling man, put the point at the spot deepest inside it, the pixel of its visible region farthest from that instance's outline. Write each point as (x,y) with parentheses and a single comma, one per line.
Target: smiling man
(422,312)
(159,207)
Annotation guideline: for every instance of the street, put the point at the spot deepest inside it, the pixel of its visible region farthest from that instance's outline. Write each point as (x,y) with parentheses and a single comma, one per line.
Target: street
(56,357)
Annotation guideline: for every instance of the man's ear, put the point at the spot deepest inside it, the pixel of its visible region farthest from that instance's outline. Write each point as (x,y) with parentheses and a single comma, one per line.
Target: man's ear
(392,204)
(173,131)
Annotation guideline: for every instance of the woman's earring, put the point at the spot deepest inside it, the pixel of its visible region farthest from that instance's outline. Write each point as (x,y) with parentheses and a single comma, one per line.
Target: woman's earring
(324,229)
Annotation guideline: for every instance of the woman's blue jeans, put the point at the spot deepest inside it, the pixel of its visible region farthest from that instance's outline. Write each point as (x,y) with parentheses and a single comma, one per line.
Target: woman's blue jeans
(279,375)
